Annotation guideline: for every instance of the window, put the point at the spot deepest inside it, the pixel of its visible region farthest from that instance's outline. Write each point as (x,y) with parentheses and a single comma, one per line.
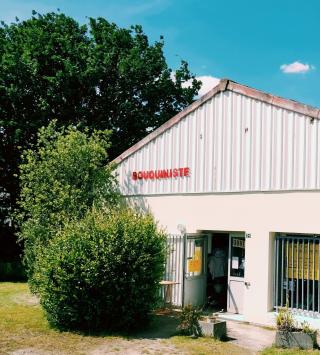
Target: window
(195,249)
(296,281)
(237,257)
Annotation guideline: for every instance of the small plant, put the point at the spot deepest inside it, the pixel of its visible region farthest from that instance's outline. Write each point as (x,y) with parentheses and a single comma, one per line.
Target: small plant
(306,328)
(285,320)
(189,321)
(292,334)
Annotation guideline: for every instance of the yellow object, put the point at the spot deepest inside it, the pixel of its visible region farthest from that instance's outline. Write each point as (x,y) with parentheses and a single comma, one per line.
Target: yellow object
(195,264)
(304,266)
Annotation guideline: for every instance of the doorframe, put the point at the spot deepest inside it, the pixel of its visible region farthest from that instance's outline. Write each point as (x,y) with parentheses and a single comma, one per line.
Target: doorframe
(205,258)
(183,267)
(235,278)
(206,232)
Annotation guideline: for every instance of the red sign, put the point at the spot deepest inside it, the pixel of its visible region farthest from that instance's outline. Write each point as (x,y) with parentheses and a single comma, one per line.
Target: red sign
(160,174)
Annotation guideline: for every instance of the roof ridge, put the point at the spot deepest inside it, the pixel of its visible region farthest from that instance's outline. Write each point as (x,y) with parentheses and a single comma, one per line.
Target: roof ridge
(224,85)
(275,100)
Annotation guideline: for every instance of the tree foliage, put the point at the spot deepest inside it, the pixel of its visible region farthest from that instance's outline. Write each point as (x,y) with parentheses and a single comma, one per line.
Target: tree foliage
(93,262)
(62,177)
(102,272)
(96,75)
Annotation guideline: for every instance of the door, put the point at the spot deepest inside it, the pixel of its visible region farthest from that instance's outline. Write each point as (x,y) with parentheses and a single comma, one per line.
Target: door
(236,269)
(195,279)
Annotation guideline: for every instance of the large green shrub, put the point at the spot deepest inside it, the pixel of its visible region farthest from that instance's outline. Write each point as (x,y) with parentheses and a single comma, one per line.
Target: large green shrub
(62,178)
(102,272)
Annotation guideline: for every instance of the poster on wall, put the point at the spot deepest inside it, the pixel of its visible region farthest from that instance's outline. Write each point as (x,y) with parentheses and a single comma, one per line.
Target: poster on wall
(303,261)
(235,263)
(195,264)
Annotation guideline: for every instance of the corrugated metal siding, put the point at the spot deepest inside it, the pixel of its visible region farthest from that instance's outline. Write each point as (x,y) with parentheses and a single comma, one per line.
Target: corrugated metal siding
(232,143)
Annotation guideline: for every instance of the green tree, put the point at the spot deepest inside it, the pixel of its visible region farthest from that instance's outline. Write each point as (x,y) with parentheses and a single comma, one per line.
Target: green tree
(62,177)
(96,75)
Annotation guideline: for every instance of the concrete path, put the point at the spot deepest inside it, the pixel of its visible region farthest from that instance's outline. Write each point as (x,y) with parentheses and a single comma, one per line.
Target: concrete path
(249,336)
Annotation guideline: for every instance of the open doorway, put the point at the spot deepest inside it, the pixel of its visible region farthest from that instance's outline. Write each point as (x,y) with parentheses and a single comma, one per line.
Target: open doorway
(214,265)
(217,273)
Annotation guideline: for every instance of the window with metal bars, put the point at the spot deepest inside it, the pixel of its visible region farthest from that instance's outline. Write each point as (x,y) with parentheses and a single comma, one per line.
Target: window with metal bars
(296,272)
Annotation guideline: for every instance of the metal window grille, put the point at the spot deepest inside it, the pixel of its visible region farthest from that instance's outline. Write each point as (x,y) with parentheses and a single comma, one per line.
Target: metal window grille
(174,266)
(296,273)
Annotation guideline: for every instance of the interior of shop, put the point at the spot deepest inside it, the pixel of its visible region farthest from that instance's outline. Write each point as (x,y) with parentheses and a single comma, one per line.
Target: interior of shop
(217,271)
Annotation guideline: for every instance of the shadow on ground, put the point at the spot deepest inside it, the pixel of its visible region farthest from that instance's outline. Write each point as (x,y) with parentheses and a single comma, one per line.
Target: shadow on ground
(163,325)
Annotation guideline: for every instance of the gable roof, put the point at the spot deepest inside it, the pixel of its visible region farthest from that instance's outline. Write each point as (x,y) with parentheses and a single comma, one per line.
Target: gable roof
(224,85)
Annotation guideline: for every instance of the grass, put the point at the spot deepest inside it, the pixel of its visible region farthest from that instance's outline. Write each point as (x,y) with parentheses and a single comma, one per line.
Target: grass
(276,351)
(23,327)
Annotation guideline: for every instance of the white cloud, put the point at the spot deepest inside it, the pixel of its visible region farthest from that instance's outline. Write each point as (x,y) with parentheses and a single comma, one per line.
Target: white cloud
(173,76)
(208,82)
(296,68)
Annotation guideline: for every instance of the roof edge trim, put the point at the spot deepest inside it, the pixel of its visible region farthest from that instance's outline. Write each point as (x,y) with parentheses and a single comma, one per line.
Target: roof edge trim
(224,85)
(280,102)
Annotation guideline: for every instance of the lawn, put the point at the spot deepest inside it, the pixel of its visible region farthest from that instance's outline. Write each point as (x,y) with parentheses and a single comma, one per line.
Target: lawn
(275,351)
(23,325)
(24,330)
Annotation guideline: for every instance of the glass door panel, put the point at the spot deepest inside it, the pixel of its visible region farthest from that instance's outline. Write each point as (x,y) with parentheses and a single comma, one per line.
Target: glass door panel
(195,279)
(237,257)
(236,272)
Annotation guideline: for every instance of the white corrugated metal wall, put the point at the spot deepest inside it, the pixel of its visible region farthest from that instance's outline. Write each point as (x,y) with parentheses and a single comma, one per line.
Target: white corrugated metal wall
(232,143)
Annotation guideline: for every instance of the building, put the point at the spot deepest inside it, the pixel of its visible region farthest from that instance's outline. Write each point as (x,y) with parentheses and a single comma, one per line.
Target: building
(235,180)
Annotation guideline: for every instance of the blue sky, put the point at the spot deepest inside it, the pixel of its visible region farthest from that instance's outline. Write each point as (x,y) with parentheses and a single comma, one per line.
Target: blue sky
(270,45)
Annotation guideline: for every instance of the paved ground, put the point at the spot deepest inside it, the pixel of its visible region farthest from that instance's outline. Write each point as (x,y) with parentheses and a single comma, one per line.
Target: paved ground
(137,347)
(250,336)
